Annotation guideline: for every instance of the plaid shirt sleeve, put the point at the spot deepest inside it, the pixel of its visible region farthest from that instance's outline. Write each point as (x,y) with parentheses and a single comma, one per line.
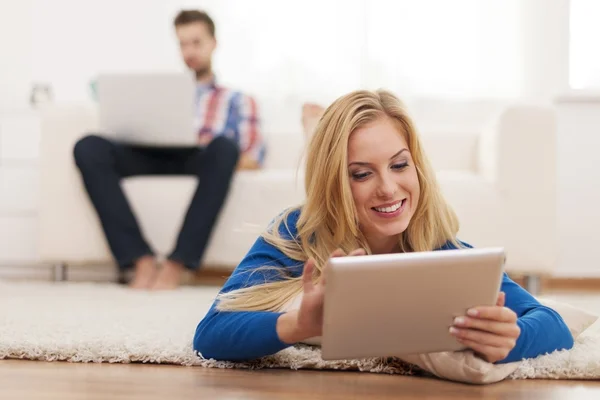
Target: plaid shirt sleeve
(251,140)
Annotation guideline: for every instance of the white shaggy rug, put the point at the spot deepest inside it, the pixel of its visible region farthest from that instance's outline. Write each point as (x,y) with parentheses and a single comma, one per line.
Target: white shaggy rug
(87,322)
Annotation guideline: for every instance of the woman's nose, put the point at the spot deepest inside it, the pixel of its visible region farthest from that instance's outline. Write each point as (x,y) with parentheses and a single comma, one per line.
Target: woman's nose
(387,187)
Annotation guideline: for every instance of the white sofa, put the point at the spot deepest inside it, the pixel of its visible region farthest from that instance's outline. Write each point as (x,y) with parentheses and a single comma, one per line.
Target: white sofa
(500,182)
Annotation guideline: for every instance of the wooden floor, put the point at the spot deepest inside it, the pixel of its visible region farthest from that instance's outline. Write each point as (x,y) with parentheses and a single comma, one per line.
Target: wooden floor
(27,380)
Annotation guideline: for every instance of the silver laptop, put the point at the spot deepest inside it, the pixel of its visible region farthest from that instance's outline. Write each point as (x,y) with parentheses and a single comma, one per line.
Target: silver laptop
(399,304)
(148,109)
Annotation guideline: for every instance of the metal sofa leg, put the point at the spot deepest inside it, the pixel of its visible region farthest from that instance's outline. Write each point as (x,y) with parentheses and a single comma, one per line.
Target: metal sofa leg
(59,272)
(533,284)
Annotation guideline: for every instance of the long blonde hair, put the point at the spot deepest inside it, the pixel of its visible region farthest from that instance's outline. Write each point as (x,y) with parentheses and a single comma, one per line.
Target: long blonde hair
(328,219)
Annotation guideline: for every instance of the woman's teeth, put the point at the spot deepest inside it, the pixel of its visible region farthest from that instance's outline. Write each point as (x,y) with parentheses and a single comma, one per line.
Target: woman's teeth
(390,209)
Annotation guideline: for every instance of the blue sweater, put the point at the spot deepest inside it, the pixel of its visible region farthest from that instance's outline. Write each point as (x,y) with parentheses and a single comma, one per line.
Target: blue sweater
(247,335)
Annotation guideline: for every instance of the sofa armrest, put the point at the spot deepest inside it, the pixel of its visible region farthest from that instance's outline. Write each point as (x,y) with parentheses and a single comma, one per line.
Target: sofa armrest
(61,127)
(64,209)
(518,153)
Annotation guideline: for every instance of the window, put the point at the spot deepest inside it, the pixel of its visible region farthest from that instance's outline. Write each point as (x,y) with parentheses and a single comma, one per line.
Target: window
(584,57)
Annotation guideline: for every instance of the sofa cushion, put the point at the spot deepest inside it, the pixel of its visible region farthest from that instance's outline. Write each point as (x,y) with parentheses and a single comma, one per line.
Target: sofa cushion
(255,198)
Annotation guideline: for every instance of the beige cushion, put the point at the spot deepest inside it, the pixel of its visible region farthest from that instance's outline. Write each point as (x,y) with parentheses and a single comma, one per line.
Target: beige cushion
(465,366)
(577,319)
(461,366)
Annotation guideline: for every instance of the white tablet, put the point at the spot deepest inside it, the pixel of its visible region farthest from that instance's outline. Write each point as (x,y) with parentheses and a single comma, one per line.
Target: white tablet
(399,304)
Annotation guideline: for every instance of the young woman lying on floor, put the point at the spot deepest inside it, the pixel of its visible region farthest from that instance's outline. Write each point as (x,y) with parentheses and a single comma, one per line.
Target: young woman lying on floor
(369,189)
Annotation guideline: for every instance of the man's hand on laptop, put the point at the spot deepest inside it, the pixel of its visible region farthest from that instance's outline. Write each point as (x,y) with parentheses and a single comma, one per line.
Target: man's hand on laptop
(204,140)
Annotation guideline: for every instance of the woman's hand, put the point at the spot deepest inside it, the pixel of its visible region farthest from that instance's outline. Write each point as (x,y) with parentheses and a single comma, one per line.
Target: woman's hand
(492,332)
(307,321)
(310,314)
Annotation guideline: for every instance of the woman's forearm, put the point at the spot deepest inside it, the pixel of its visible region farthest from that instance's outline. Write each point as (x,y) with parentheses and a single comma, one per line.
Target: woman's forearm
(288,330)
(542,331)
(238,336)
(287,327)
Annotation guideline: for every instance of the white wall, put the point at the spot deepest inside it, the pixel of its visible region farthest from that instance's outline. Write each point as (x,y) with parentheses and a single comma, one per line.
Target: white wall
(296,51)
(16,68)
(74,39)
(309,49)
(578,184)
(544,46)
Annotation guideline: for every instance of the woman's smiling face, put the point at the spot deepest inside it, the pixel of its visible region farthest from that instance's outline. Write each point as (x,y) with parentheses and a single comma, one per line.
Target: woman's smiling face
(384,182)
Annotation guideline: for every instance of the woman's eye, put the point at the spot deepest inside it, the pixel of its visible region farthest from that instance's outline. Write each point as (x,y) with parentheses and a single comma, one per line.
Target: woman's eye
(400,166)
(360,175)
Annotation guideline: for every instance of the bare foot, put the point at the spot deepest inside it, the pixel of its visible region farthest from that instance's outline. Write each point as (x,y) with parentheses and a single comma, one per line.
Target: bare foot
(170,276)
(145,271)
(311,113)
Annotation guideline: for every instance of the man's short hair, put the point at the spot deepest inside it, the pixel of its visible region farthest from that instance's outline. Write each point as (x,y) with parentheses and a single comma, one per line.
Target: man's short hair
(185,17)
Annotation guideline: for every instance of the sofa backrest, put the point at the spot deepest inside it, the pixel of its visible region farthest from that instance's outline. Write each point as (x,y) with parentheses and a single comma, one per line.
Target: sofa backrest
(447,149)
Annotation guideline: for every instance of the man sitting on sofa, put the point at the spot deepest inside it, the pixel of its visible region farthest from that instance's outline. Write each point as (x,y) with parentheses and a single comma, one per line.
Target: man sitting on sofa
(228,138)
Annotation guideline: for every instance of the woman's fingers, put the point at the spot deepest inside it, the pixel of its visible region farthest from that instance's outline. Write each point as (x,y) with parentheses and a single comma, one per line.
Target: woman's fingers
(490,346)
(489,331)
(307,275)
(338,253)
(484,337)
(341,253)
(335,253)
(508,329)
(501,299)
(358,252)
(494,313)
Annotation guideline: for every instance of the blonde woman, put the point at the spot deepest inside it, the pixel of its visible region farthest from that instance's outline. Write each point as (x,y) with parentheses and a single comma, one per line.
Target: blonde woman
(369,189)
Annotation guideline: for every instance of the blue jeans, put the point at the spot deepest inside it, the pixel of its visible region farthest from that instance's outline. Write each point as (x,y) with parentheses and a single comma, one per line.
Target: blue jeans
(103,163)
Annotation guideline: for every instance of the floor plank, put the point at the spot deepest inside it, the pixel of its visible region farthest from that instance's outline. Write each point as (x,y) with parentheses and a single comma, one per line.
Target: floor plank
(29,380)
